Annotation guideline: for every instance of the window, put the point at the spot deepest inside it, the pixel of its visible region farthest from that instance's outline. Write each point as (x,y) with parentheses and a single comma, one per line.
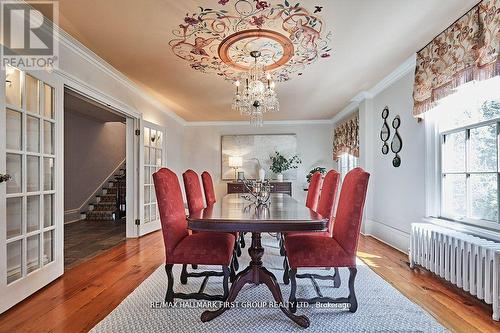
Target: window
(469,156)
(347,162)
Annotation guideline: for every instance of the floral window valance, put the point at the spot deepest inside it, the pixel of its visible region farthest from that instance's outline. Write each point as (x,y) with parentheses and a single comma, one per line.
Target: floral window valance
(468,50)
(346,138)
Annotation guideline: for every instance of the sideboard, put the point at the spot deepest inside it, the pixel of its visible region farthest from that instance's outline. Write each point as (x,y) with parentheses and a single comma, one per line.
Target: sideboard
(276,187)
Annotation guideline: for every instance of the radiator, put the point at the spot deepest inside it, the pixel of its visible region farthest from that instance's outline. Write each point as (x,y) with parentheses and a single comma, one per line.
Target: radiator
(469,262)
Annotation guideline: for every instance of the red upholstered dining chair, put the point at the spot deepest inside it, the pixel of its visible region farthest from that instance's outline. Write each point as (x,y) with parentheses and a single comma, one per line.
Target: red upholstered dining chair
(194,196)
(324,207)
(314,190)
(195,203)
(337,250)
(202,248)
(208,188)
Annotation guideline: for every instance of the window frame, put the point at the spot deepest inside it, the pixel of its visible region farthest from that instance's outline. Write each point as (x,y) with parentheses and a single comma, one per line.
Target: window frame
(440,174)
(352,162)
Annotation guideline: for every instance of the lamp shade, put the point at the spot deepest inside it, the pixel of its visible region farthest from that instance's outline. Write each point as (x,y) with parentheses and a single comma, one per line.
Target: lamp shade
(235,161)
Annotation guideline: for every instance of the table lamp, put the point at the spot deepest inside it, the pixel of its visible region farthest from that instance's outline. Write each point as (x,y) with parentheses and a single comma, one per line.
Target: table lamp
(235,162)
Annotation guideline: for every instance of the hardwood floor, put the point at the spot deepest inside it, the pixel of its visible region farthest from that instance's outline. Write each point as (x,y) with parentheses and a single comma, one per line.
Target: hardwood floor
(90,291)
(86,239)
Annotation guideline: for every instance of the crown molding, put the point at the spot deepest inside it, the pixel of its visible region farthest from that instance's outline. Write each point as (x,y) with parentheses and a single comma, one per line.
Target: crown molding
(403,69)
(267,122)
(81,50)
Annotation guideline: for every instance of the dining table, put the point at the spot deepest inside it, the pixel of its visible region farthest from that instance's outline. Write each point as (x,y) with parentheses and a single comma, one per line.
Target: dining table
(238,213)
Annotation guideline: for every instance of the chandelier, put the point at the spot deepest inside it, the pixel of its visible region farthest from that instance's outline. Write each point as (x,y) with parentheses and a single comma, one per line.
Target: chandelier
(258,96)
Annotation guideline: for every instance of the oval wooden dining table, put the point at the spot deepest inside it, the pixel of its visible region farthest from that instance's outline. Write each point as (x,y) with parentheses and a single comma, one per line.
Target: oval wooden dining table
(235,213)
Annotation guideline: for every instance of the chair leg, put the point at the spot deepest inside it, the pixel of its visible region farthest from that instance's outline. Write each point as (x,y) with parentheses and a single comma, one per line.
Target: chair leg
(225,282)
(242,240)
(286,268)
(236,264)
(292,301)
(282,246)
(352,295)
(169,296)
(336,278)
(184,278)
(237,247)
(232,273)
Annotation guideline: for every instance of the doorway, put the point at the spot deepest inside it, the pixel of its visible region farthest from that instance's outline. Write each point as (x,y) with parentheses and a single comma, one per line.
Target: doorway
(94,178)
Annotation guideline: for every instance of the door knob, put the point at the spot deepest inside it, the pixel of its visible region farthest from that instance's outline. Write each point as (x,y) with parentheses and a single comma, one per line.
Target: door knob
(4,178)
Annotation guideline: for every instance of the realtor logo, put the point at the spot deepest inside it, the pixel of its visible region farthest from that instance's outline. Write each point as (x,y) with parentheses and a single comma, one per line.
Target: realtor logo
(28,34)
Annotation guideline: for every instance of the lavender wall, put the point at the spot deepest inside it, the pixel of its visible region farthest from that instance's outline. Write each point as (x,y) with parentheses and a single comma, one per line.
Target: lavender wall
(92,150)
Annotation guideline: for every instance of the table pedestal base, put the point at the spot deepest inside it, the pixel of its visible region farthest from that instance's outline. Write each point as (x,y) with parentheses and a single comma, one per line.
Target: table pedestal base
(255,273)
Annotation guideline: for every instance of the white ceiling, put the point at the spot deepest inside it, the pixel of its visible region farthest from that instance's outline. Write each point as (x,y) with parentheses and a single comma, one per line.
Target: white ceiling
(370,39)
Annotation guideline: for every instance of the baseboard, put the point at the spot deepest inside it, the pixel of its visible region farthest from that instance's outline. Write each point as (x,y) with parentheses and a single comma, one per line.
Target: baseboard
(387,234)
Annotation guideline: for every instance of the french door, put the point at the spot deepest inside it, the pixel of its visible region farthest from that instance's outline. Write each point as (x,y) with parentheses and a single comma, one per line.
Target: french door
(152,158)
(31,179)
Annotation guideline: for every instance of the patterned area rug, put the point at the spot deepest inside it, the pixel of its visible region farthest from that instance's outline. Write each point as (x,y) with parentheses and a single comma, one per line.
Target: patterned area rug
(381,307)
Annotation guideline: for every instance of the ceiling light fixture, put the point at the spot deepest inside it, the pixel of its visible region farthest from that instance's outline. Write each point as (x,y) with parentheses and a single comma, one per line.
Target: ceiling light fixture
(258,96)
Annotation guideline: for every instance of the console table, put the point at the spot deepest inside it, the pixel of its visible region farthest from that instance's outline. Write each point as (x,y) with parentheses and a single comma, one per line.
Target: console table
(276,187)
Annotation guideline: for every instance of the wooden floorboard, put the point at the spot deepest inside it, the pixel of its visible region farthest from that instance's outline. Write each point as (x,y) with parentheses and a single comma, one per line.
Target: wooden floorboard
(87,293)
(84,239)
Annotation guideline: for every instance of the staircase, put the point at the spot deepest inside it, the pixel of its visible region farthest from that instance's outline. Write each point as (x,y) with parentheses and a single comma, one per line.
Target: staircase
(109,205)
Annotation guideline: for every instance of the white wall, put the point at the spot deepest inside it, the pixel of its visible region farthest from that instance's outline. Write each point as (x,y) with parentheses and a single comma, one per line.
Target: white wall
(396,195)
(202,149)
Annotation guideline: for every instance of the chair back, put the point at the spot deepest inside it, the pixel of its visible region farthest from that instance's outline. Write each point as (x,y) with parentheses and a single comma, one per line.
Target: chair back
(171,208)
(193,191)
(350,209)
(328,197)
(208,188)
(313,191)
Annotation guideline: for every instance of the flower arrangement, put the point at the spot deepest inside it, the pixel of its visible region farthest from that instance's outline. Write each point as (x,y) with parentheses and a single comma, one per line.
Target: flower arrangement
(280,163)
(321,170)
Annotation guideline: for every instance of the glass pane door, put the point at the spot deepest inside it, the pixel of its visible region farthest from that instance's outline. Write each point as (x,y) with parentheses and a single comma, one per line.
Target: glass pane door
(154,159)
(28,155)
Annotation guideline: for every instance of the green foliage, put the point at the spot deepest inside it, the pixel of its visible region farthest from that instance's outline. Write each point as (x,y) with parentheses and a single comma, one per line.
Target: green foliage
(280,163)
(321,170)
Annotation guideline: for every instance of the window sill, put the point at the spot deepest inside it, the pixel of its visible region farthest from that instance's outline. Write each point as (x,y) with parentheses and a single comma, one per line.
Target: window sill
(468,229)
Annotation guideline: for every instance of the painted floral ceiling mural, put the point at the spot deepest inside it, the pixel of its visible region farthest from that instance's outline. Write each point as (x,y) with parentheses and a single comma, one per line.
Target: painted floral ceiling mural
(219,40)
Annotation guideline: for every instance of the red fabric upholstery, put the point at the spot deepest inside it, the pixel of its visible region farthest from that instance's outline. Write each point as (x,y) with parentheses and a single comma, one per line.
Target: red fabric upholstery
(350,209)
(208,188)
(316,251)
(202,248)
(325,203)
(328,196)
(205,248)
(313,191)
(193,191)
(171,208)
(338,250)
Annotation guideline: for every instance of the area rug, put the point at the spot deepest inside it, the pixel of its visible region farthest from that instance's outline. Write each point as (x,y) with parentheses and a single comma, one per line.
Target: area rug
(381,307)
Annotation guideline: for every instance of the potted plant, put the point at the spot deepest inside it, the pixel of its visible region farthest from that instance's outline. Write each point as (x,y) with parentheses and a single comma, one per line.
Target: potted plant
(280,164)
(321,170)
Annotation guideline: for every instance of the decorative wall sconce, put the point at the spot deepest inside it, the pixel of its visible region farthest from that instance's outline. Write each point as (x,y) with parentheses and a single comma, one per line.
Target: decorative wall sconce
(397,142)
(385,132)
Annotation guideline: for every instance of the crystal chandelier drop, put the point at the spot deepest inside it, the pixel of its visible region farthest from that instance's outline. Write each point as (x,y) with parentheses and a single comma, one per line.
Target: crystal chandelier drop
(258,95)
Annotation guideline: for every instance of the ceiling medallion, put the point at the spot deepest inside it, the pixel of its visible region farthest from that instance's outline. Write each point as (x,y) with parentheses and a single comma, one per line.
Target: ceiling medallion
(219,40)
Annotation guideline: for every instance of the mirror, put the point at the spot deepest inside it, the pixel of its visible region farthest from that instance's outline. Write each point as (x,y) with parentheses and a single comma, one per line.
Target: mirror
(385,148)
(397,142)
(385,132)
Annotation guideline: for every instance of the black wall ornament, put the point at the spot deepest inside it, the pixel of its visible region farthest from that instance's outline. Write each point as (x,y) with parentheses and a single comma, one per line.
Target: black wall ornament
(385,132)
(397,142)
